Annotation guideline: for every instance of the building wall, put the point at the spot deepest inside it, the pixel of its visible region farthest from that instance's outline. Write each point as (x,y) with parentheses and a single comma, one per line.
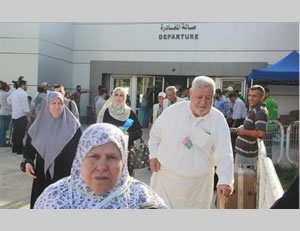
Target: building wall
(19,48)
(63,52)
(217,42)
(228,49)
(55,54)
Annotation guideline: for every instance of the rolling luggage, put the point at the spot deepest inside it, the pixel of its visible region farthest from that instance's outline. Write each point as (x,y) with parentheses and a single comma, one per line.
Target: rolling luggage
(244,193)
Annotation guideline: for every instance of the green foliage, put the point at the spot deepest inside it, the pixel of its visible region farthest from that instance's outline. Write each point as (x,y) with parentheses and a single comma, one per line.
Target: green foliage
(286,175)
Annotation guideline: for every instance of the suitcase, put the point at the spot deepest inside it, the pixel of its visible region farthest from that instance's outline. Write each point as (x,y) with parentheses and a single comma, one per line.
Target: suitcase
(244,193)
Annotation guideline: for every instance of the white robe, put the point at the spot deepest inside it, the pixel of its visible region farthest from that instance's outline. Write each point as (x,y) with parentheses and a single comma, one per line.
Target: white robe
(187,175)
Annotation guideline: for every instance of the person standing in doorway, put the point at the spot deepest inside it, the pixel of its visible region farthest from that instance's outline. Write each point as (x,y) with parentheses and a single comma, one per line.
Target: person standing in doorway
(101,100)
(239,110)
(171,97)
(221,103)
(157,108)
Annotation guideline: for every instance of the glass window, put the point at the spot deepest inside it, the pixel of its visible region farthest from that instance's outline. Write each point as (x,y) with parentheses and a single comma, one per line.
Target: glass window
(144,83)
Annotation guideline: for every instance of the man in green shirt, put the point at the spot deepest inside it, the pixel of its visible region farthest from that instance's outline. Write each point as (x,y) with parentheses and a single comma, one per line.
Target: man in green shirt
(272,107)
(271,104)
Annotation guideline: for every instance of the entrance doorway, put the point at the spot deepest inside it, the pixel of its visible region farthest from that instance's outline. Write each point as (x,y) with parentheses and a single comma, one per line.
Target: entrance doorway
(177,81)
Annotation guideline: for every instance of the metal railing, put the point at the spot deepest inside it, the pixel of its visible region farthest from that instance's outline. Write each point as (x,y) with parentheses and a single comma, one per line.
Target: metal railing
(274,141)
(292,143)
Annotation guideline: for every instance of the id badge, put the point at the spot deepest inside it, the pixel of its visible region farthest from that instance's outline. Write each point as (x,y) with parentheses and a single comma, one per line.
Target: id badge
(187,142)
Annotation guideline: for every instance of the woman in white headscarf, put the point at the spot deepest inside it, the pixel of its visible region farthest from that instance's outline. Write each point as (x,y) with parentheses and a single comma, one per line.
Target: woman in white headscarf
(52,141)
(99,177)
(116,112)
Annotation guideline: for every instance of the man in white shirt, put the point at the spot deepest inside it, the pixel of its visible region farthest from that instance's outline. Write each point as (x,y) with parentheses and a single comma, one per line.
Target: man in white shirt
(157,108)
(171,97)
(20,115)
(239,110)
(185,149)
(100,101)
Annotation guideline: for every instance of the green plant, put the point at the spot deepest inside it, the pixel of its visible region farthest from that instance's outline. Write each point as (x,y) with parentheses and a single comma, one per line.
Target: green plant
(286,175)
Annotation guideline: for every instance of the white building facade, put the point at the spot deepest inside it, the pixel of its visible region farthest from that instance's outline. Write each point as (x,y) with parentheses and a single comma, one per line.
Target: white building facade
(138,56)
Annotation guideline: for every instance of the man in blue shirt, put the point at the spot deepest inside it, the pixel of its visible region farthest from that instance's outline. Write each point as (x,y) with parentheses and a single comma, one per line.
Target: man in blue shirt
(221,103)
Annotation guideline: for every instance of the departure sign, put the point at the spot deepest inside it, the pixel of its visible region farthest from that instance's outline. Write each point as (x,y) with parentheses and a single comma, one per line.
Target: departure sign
(178,31)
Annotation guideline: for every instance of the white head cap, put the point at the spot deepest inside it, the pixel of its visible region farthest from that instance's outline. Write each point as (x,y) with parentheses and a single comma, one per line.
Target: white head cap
(230,88)
(162,94)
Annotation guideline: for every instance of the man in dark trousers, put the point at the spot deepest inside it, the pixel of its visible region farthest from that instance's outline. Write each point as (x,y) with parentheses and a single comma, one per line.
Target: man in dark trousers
(20,115)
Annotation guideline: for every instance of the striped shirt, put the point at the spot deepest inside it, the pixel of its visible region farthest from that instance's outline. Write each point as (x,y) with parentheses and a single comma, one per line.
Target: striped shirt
(256,119)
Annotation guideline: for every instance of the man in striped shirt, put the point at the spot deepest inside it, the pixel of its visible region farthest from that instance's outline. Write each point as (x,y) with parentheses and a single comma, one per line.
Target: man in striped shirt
(254,127)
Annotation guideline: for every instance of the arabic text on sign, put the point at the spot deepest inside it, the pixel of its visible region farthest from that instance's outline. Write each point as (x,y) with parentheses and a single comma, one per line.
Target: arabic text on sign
(177,26)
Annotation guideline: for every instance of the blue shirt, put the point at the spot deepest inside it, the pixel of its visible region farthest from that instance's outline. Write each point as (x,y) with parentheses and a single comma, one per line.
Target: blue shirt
(222,105)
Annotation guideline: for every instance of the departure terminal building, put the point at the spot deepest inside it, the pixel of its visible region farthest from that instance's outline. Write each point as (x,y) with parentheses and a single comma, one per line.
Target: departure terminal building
(138,56)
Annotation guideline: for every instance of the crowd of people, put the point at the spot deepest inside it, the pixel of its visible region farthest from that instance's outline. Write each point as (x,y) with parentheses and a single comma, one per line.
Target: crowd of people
(192,138)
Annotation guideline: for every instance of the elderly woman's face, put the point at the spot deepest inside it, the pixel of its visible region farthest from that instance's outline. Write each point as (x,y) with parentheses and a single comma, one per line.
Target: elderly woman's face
(102,167)
(56,107)
(118,97)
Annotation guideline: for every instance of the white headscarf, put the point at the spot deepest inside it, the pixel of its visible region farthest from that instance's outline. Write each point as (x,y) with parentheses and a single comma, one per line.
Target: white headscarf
(72,192)
(50,135)
(119,112)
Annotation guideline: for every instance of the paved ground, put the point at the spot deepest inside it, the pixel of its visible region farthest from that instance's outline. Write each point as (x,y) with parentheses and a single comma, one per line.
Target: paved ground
(15,186)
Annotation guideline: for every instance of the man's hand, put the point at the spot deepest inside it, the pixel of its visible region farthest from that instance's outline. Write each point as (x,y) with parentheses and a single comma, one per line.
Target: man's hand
(240,130)
(223,192)
(154,165)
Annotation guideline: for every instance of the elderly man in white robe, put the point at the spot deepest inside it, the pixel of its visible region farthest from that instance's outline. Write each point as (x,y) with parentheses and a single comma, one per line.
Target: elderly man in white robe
(186,143)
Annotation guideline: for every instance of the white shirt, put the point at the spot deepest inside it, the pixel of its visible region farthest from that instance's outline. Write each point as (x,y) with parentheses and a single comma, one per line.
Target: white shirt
(210,137)
(18,100)
(5,109)
(239,109)
(99,104)
(167,103)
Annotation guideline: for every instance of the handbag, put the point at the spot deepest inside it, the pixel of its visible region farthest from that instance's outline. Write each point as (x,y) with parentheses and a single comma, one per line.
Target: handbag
(138,156)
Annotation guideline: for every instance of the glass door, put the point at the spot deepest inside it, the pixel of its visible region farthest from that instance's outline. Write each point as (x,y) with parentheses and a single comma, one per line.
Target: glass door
(144,98)
(238,83)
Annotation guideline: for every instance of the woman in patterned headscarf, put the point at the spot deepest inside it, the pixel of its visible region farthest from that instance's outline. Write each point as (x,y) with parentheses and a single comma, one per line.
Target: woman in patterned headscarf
(52,142)
(99,177)
(116,112)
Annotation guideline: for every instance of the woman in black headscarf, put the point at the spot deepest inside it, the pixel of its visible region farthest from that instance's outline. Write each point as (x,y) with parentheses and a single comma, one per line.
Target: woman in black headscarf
(52,141)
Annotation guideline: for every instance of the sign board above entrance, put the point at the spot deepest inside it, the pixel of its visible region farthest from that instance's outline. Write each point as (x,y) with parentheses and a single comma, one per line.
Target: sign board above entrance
(177,31)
